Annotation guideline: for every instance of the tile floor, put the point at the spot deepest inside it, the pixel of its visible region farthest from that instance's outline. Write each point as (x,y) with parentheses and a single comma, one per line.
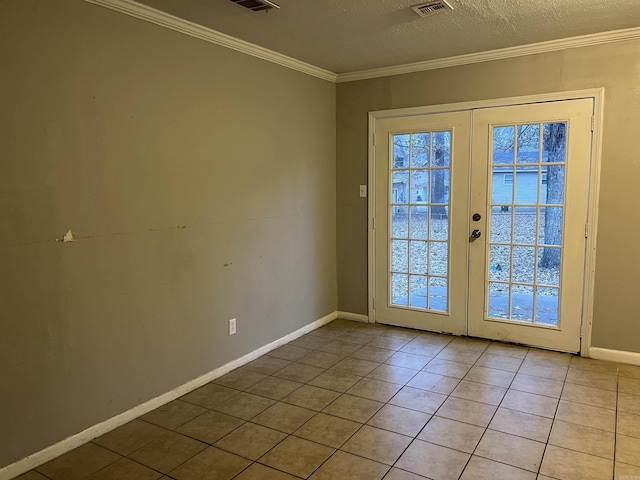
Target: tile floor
(359,401)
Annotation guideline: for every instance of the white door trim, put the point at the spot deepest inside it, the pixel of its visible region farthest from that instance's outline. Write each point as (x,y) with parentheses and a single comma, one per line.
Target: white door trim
(597,94)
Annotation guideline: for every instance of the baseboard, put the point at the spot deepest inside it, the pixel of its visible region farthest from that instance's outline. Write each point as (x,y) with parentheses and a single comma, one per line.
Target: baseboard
(74,441)
(357,317)
(620,356)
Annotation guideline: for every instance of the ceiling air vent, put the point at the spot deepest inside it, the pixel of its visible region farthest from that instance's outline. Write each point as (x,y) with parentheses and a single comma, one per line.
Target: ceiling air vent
(256,5)
(431,8)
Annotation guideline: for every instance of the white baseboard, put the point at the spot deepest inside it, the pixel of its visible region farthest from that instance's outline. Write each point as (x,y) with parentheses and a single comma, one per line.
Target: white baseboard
(620,356)
(357,317)
(74,441)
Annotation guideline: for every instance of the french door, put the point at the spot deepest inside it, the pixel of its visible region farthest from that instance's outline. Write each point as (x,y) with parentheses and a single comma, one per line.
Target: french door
(479,221)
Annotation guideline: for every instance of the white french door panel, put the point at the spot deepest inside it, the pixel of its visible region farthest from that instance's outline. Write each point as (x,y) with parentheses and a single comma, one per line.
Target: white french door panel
(530,183)
(420,221)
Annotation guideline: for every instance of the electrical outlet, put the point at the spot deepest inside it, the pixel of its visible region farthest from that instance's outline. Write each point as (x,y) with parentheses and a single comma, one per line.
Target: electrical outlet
(232,326)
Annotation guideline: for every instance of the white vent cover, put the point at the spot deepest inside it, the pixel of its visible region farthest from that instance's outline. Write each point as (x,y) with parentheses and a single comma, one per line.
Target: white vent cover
(431,8)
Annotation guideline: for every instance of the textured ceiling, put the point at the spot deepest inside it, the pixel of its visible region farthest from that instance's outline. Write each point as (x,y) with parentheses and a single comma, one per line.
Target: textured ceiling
(352,35)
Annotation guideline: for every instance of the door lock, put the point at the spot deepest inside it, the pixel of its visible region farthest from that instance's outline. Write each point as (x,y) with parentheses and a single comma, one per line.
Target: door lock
(474,235)
(476,217)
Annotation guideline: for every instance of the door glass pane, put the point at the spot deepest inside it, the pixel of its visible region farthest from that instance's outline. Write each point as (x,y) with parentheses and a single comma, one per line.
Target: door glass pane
(419,219)
(528,143)
(524,261)
(418,291)
(503,145)
(400,222)
(399,289)
(498,300)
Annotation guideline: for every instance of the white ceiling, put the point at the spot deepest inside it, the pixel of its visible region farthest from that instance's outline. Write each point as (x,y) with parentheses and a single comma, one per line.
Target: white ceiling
(353,35)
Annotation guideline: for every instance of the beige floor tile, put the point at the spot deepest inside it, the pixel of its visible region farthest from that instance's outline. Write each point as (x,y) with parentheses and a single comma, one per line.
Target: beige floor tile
(507,350)
(308,396)
(490,376)
(320,359)
(299,372)
(340,348)
(267,365)
(343,465)
(566,464)
(408,360)
(124,469)
(390,343)
(173,414)
(549,357)
(374,389)
(626,472)
(434,382)
(373,354)
(536,369)
(632,371)
(433,461)
(483,469)
(596,417)
(475,344)
(297,456)
(629,403)
(420,400)
(355,366)
(628,450)
(240,378)
(353,408)
(521,424)
(582,439)
(537,385)
(629,385)
(467,411)
(274,388)
(284,417)
(447,368)
(210,427)
(452,434)
(79,463)
(289,352)
(403,333)
(31,475)
(167,452)
(397,474)
(129,437)
(245,405)
(479,392)
(334,380)
(250,441)
(393,374)
(376,444)
(589,396)
(212,463)
(515,451)
(328,430)
(530,403)
(399,420)
(593,379)
(262,472)
(600,366)
(209,395)
(310,342)
(629,424)
(460,355)
(421,347)
(499,362)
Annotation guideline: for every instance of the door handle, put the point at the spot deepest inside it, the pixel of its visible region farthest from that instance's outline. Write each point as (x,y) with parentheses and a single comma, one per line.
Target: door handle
(475,234)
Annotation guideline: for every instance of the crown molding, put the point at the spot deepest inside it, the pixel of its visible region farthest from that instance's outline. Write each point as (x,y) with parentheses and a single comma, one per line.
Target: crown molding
(149,14)
(519,51)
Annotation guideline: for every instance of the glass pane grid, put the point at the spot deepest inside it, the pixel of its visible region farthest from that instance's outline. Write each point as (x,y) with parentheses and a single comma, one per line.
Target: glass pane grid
(419,220)
(526,217)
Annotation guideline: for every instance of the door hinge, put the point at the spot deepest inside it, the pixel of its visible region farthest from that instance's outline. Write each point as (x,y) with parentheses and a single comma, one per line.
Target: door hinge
(374,302)
(586,230)
(374,140)
(593,123)
(373,223)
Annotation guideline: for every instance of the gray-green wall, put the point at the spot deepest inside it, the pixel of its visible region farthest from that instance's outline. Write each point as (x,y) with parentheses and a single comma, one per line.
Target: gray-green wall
(200,185)
(616,67)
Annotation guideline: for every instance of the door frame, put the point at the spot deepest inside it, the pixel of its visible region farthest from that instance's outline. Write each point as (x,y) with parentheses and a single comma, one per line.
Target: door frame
(596,94)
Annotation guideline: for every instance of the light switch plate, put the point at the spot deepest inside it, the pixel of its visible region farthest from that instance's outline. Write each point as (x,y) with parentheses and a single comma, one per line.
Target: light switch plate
(363,191)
